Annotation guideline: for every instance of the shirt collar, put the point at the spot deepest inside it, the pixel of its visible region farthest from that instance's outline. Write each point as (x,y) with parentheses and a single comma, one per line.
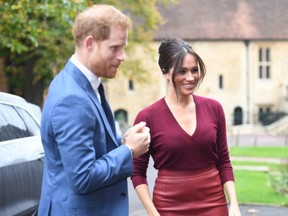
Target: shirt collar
(92,78)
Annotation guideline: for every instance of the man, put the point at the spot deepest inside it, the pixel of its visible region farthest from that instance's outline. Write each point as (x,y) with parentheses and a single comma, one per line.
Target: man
(86,167)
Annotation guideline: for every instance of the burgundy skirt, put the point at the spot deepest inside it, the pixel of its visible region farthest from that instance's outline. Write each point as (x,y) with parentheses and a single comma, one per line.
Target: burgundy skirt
(194,193)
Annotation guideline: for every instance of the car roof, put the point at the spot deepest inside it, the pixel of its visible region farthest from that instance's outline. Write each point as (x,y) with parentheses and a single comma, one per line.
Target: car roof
(17,101)
(7,97)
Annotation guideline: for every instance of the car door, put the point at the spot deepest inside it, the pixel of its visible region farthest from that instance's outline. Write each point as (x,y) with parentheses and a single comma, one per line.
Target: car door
(21,161)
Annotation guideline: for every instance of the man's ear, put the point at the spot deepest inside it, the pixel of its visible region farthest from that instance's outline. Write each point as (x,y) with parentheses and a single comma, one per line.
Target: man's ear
(89,43)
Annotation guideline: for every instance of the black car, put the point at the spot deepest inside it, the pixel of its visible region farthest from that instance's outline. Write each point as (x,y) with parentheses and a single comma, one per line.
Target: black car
(21,156)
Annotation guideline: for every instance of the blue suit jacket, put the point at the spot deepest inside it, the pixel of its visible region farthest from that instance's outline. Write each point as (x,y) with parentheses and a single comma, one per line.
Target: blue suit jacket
(85,167)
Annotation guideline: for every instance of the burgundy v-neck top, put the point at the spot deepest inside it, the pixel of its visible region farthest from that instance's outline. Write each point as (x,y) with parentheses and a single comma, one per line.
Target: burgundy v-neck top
(172,148)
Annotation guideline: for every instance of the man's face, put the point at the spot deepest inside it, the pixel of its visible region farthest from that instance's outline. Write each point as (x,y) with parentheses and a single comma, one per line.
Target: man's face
(109,54)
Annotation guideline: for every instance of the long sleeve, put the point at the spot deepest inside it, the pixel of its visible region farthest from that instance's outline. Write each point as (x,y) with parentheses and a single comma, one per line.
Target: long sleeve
(140,164)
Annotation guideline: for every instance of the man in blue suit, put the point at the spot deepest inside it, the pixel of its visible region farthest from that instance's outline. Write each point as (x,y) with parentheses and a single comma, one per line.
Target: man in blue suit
(85,166)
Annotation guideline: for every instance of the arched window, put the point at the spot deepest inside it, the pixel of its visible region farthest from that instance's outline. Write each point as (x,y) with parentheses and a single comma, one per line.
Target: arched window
(121,119)
(121,115)
(238,116)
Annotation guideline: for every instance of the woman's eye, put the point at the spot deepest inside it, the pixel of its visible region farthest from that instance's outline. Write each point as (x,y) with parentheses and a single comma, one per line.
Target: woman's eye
(195,70)
(182,71)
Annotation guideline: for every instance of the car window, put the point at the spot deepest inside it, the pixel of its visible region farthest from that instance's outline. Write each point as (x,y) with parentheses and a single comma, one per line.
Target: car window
(16,123)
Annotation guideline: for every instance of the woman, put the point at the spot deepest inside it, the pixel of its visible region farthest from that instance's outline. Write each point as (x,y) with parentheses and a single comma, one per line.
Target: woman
(188,144)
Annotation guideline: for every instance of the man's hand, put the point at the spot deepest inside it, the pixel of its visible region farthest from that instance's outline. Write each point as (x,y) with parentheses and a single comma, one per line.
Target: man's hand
(138,139)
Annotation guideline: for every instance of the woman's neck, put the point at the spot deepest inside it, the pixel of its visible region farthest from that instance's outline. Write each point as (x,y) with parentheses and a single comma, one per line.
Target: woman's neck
(178,100)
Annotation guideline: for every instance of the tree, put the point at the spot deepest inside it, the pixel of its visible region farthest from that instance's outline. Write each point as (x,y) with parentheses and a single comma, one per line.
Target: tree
(36,39)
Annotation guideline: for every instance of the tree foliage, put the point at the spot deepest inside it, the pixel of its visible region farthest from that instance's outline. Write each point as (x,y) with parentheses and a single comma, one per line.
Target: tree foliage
(36,38)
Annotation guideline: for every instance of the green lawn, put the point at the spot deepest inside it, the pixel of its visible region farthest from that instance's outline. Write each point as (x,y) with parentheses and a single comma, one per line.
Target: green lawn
(273,152)
(256,187)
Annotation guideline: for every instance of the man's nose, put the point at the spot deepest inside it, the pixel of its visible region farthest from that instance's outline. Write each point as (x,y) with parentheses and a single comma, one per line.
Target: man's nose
(121,56)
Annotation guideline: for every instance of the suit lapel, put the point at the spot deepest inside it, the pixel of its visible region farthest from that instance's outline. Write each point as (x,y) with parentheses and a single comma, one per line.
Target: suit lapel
(85,84)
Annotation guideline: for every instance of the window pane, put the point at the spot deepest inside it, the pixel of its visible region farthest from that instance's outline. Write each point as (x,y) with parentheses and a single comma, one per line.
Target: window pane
(16,123)
(260,55)
(221,82)
(131,85)
(260,110)
(267,54)
(260,72)
(268,72)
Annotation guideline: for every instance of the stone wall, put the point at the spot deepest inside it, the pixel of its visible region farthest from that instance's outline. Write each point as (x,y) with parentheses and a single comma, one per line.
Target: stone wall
(236,62)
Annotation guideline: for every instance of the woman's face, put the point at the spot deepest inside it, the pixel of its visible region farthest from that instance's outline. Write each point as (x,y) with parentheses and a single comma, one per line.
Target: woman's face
(186,79)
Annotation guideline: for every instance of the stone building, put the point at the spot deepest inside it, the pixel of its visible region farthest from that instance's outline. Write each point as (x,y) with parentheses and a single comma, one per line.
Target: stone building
(244,44)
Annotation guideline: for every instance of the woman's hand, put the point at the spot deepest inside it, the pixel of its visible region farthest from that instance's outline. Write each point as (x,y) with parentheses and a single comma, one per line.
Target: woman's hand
(142,191)
(234,210)
(230,190)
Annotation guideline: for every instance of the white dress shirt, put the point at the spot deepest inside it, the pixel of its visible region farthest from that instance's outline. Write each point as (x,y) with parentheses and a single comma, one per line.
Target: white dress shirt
(92,78)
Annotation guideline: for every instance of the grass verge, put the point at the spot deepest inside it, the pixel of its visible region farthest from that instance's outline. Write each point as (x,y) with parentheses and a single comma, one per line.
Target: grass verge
(256,187)
(273,152)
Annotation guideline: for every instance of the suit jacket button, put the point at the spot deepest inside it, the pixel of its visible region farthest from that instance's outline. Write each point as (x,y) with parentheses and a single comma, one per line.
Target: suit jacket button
(122,178)
(123,195)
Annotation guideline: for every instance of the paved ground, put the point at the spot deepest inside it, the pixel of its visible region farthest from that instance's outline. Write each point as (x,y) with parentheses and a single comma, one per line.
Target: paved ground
(257,140)
(246,210)
(254,210)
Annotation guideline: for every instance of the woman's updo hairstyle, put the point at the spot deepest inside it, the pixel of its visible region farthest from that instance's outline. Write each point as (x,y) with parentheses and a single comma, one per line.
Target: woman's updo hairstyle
(171,55)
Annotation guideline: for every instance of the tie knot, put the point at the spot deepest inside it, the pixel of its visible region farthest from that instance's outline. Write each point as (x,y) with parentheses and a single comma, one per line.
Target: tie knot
(100,86)
(101,90)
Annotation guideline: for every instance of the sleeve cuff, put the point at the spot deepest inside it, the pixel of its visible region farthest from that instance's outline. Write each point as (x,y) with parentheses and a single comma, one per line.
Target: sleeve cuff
(131,151)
